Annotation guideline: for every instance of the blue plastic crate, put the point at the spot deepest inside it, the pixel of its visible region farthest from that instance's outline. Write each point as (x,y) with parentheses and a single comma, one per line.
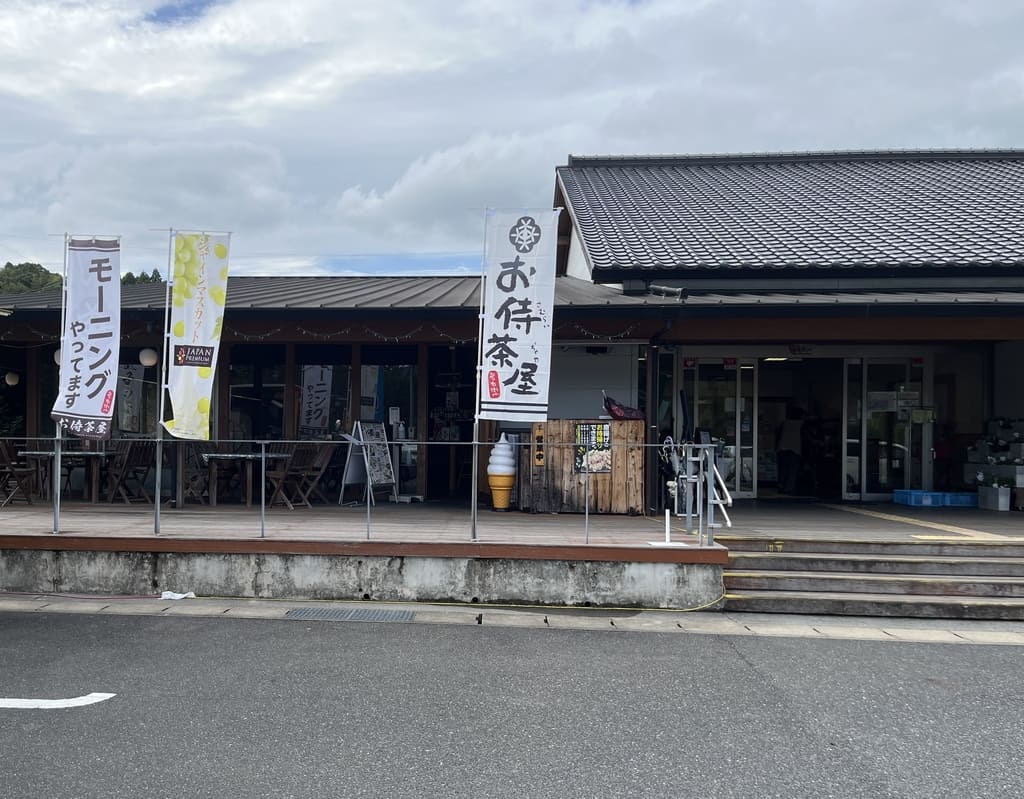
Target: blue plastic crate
(919,499)
(963,499)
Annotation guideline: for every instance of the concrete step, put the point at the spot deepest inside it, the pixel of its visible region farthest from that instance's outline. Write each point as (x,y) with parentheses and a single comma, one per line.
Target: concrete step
(846,582)
(992,549)
(876,563)
(860,604)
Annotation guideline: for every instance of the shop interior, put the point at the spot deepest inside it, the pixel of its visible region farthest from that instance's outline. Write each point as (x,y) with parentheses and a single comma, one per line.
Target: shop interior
(809,394)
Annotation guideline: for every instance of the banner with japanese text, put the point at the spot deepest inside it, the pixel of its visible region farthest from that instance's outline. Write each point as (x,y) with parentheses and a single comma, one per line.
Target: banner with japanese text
(199,279)
(519,297)
(314,414)
(129,398)
(91,339)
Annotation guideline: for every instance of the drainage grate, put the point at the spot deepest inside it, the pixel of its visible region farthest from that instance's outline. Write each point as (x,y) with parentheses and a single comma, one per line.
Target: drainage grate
(349,614)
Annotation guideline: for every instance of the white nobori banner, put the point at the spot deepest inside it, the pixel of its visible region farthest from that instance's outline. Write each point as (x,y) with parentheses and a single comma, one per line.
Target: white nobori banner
(199,280)
(316,400)
(91,340)
(518,309)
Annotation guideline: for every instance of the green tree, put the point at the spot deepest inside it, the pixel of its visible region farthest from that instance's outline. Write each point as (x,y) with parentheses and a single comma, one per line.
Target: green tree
(130,278)
(19,278)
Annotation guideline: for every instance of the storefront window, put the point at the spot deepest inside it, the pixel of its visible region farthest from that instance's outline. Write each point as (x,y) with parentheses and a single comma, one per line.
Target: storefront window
(388,389)
(325,379)
(665,394)
(48,377)
(136,410)
(388,393)
(256,384)
(13,404)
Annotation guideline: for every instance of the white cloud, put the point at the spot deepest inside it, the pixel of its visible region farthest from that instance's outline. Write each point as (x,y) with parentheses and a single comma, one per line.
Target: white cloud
(320,132)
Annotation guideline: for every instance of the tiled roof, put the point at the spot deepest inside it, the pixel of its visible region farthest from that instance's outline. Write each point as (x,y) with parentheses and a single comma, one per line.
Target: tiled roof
(682,215)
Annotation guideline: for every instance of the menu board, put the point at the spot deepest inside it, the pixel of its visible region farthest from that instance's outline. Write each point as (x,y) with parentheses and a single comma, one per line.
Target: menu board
(368,460)
(378,457)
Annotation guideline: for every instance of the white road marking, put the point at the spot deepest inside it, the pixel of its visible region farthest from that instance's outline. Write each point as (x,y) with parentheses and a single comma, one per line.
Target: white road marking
(54,704)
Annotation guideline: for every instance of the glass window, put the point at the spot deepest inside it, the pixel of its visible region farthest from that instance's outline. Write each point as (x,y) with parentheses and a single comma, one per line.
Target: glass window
(256,384)
(325,378)
(136,409)
(13,402)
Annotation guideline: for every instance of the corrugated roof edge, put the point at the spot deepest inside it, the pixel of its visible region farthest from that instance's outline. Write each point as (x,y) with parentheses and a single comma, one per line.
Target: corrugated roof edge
(823,156)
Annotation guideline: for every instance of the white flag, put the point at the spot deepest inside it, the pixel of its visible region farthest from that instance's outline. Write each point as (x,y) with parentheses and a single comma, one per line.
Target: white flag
(316,400)
(199,280)
(519,303)
(91,339)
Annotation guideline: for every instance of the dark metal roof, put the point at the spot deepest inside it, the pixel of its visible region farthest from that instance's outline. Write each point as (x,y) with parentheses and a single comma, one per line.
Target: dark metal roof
(923,211)
(459,296)
(383,294)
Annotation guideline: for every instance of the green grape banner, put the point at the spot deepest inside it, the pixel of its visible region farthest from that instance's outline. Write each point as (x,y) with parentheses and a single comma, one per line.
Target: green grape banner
(199,279)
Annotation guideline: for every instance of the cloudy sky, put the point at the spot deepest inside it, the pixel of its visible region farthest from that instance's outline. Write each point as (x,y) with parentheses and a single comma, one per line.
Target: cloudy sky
(369,137)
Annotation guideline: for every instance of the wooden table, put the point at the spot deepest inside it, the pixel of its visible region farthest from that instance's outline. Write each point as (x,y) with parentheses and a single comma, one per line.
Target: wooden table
(217,459)
(91,460)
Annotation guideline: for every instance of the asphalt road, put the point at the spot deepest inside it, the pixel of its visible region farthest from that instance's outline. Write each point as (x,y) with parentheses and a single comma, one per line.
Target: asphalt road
(282,708)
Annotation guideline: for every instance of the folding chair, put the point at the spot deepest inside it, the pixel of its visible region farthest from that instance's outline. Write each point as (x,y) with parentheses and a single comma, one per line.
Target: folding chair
(133,461)
(309,481)
(277,471)
(288,482)
(16,479)
(196,476)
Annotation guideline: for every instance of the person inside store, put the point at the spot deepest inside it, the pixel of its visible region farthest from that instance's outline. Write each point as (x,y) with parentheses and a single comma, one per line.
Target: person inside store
(789,449)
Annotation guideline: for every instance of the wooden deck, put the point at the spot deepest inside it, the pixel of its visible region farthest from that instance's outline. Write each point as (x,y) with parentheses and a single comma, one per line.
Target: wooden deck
(415,522)
(437,524)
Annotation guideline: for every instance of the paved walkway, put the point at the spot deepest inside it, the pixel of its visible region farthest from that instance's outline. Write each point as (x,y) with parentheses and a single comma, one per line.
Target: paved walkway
(895,631)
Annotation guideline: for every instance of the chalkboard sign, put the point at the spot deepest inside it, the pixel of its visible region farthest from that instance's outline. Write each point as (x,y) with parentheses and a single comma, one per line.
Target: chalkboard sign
(368,454)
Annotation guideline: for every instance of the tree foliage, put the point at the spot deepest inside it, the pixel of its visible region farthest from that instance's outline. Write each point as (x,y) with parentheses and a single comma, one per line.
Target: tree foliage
(130,278)
(19,278)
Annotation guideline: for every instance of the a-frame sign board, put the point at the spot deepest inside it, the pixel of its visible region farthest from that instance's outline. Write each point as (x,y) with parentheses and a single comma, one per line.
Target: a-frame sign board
(368,461)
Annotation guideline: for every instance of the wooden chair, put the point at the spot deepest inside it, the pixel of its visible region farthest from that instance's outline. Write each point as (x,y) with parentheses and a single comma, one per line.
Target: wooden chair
(309,481)
(287,477)
(16,479)
(133,461)
(277,470)
(196,473)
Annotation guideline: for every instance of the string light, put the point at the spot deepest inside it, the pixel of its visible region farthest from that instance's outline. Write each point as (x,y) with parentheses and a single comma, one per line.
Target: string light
(325,336)
(590,334)
(251,336)
(395,339)
(452,339)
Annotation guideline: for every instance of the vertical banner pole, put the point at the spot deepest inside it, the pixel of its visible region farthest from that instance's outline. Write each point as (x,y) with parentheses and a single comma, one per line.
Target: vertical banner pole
(474,487)
(162,382)
(263,489)
(586,505)
(55,477)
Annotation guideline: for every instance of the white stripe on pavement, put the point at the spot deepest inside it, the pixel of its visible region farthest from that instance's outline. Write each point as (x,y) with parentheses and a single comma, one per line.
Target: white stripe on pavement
(54,704)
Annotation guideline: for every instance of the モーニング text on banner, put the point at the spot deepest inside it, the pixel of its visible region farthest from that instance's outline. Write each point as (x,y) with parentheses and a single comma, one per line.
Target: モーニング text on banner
(91,338)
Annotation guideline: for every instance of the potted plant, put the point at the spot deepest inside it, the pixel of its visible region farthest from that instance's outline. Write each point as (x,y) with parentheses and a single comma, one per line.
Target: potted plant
(993,492)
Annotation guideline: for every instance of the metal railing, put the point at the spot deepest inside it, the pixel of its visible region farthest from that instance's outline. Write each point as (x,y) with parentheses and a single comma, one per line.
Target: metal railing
(593,489)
